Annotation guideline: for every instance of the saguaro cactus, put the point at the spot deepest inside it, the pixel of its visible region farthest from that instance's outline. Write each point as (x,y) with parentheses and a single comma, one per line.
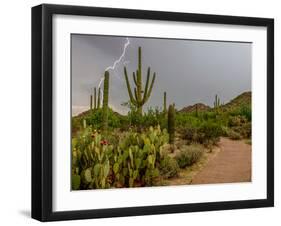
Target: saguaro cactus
(91,102)
(140,97)
(171,124)
(105,101)
(98,105)
(196,110)
(165,103)
(95,98)
(217,101)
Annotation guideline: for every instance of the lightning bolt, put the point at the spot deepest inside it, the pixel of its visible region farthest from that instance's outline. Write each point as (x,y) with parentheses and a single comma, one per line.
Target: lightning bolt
(116,62)
(121,57)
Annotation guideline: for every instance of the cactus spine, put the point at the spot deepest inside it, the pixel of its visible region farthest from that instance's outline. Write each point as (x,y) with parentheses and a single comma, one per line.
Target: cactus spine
(140,97)
(171,124)
(165,103)
(105,101)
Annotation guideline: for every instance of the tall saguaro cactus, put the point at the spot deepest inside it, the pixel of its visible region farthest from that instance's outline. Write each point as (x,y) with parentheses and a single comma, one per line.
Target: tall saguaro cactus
(217,101)
(105,101)
(140,96)
(171,124)
(98,105)
(96,101)
(91,102)
(95,98)
(165,103)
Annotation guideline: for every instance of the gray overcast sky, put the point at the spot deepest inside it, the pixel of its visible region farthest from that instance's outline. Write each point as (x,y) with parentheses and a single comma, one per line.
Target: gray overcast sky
(189,71)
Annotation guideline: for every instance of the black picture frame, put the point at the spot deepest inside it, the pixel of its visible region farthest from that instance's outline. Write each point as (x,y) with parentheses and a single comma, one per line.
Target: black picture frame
(42,111)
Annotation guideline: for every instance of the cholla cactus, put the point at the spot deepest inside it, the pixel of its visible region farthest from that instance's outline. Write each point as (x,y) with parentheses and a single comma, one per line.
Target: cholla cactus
(140,96)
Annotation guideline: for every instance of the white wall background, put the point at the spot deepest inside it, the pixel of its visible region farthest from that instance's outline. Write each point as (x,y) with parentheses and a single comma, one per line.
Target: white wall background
(15,119)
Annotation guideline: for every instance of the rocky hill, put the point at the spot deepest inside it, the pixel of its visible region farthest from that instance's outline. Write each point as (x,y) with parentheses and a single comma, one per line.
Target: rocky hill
(243,99)
(192,108)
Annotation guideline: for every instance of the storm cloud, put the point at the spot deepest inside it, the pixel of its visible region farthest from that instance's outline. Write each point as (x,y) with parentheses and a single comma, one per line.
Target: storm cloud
(190,71)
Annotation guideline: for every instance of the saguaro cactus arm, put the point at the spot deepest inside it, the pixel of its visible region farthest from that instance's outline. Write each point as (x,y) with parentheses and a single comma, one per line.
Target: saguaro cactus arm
(129,87)
(135,79)
(150,89)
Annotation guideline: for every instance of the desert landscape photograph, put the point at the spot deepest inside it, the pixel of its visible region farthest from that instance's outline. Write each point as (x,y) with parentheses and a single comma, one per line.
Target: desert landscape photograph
(159,112)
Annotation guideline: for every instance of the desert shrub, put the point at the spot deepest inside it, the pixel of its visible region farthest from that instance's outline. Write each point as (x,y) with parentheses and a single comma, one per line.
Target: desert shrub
(246,130)
(75,124)
(169,167)
(152,117)
(209,133)
(209,115)
(184,120)
(234,135)
(225,131)
(189,134)
(248,142)
(246,111)
(206,133)
(236,120)
(95,119)
(189,155)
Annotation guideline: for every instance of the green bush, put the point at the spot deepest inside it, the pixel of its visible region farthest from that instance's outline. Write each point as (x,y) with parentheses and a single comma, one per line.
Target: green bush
(246,111)
(209,133)
(246,130)
(95,119)
(184,120)
(234,135)
(189,155)
(236,120)
(169,167)
(189,134)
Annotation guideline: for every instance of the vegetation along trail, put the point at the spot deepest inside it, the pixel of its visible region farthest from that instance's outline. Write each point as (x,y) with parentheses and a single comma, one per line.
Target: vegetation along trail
(231,164)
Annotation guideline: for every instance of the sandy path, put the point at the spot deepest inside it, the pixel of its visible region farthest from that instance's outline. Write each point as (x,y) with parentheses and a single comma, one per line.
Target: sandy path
(231,164)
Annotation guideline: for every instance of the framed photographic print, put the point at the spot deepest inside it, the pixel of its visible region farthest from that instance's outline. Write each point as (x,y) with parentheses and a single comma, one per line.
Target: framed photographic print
(145,112)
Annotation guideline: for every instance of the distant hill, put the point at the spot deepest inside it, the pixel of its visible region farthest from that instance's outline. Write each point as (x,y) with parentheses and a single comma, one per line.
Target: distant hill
(88,112)
(192,108)
(243,99)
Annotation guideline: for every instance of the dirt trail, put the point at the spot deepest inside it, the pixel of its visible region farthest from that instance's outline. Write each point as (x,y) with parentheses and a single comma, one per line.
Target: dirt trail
(231,164)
